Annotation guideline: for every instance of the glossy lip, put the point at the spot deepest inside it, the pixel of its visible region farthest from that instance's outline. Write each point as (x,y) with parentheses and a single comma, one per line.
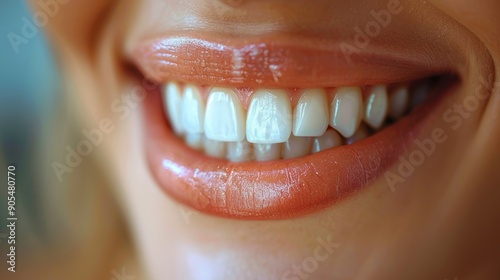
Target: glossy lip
(282,61)
(277,189)
(271,190)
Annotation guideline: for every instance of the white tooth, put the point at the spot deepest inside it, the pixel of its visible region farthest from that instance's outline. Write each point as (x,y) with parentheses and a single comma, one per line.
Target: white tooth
(224,116)
(173,100)
(194,140)
(296,147)
(310,117)
(214,148)
(267,152)
(420,94)
(239,151)
(193,110)
(376,107)
(398,102)
(361,134)
(346,110)
(269,117)
(330,139)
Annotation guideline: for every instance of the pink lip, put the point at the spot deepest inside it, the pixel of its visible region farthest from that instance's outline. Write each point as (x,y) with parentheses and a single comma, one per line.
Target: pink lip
(271,190)
(285,188)
(280,61)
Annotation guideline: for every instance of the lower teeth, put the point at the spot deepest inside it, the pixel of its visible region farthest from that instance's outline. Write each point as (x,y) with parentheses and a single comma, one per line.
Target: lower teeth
(293,148)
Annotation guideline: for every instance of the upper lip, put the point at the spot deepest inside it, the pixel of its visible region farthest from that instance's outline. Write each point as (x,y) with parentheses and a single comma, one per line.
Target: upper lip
(284,188)
(280,60)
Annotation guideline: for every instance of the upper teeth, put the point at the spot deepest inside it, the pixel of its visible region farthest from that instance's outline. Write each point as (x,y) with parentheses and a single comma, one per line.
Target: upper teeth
(269,117)
(376,107)
(398,101)
(311,114)
(347,110)
(193,110)
(223,128)
(224,116)
(173,99)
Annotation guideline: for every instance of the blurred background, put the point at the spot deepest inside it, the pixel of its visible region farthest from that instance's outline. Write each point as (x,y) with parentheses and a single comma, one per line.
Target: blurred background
(64,227)
(28,91)
(28,86)
(53,233)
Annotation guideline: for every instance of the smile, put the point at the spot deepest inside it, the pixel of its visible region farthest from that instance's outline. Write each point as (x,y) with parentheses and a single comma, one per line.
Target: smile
(236,130)
(283,124)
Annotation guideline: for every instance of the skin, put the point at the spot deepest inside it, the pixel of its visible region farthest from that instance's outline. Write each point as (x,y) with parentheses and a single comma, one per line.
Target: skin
(440,223)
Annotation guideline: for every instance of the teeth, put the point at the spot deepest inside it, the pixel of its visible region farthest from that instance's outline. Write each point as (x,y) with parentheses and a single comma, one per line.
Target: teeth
(361,134)
(346,110)
(269,117)
(193,110)
(173,100)
(329,140)
(240,151)
(214,148)
(222,128)
(398,102)
(311,114)
(296,147)
(376,107)
(194,140)
(267,152)
(224,116)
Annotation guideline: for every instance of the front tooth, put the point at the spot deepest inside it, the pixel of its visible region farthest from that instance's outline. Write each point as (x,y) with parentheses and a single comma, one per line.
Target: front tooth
(269,117)
(173,100)
(193,110)
(267,152)
(194,140)
(224,116)
(398,102)
(376,107)
(214,148)
(310,117)
(296,147)
(239,151)
(330,139)
(346,110)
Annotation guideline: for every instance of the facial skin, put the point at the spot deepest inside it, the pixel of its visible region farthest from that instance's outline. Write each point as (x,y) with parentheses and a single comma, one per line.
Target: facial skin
(440,223)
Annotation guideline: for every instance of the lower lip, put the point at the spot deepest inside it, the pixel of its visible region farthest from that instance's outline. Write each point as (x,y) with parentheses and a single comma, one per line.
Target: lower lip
(271,190)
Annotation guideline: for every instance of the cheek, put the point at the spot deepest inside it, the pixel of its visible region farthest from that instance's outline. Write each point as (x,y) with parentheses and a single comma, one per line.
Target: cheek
(481,17)
(72,21)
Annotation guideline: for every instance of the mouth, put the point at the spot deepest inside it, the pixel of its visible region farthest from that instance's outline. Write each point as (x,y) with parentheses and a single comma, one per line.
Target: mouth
(261,130)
